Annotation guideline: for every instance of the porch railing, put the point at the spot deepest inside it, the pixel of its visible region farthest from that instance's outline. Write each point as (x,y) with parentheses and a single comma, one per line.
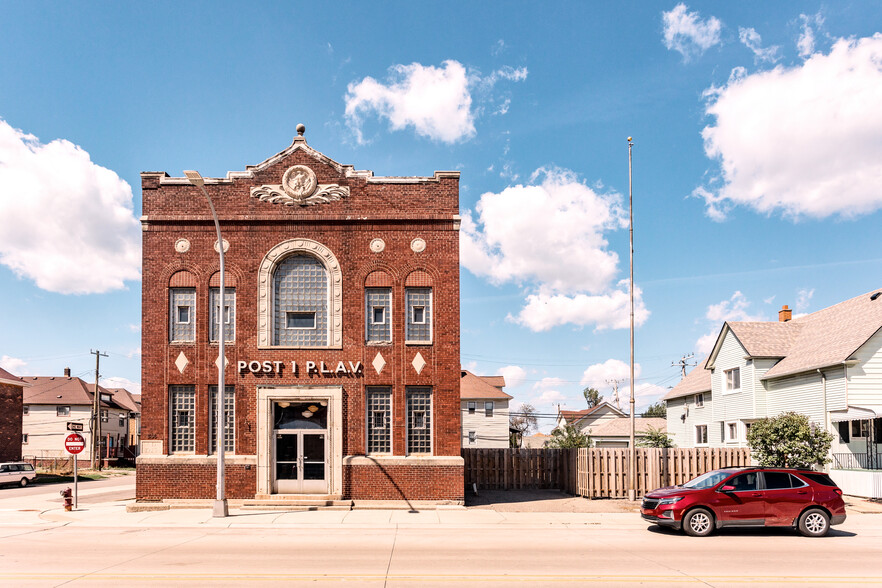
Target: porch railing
(856,461)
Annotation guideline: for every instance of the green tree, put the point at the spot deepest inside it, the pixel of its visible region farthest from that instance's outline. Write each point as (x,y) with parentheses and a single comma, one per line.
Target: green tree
(592,396)
(568,437)
(656,438)
(658,410)
(789,440)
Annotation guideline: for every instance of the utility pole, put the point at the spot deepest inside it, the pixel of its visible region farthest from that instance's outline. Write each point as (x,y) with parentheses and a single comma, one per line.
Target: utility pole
(683,364)
(615,385)
(632,453)
(96,414)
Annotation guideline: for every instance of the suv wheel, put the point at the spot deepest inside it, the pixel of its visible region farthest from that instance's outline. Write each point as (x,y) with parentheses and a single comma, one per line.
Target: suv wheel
(24,482)
(698,522)
(814,523)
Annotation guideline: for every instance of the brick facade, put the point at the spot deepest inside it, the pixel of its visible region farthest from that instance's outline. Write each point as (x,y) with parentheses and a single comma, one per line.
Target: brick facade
(10,422)
(396,210)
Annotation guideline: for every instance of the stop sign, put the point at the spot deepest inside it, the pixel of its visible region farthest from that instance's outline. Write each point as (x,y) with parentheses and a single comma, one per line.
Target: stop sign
(74,443)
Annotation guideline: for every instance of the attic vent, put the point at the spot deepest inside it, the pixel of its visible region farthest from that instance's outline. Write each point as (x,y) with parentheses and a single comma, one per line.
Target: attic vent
(875,296)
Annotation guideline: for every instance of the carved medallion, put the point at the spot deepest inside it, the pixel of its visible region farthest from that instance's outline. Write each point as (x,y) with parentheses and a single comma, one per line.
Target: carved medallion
(377,245)
(418,245)
(299,186)
(182,246)
(226,246)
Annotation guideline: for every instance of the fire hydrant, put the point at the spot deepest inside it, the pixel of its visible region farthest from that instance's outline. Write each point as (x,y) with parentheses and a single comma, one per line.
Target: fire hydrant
(68,498)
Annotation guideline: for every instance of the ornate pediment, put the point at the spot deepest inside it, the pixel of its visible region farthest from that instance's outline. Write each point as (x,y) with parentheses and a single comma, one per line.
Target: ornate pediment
(299,187)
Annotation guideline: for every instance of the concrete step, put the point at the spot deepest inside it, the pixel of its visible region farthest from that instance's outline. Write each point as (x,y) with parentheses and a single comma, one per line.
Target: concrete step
(296,504)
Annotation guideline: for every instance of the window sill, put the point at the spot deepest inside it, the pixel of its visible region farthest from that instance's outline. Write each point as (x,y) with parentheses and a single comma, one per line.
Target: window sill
(296,347)
(423,343)
(378,343)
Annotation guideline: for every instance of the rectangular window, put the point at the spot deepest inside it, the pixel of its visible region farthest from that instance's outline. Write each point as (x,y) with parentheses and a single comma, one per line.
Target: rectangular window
(488,409)
(300,320)
(731,432)
(229,418)
(860,429)
(122,421)
(701,434)
(62,411)
(419,420)
(229,314)
(473,406)
(104,415)
(378,305)
(183,412)
(473,437)
(419,315)
(379,430)
(182,312)
(699,400)
(24,438)
(733,379)
(25,409)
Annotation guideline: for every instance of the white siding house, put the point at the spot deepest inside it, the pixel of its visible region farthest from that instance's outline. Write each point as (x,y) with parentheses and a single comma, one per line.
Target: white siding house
(484,409)
(826,365)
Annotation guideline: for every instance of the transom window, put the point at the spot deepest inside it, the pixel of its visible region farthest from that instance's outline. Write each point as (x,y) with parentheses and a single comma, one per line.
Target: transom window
(182,312)
(229,418)
(733,379)
(229,314)
(379,408)
(419,420)
(378,304)
(300,302)
(419,315)
(182,414)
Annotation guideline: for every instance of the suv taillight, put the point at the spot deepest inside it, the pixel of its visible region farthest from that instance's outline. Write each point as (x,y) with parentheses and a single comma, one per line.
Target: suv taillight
(838,491)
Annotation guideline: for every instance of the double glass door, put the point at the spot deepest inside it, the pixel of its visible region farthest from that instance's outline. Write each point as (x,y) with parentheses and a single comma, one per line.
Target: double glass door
(300,448)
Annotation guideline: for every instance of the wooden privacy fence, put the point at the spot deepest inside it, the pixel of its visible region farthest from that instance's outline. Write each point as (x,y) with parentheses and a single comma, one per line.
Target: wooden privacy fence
(593,473)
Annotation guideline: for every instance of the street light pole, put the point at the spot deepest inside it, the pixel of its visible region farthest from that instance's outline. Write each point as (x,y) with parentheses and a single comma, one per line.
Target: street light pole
(220,504)
(632,470)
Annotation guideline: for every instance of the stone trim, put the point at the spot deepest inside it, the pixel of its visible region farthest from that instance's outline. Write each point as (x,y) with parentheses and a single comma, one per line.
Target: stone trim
(264,290)
(265,397)
(404,460)
(195,460)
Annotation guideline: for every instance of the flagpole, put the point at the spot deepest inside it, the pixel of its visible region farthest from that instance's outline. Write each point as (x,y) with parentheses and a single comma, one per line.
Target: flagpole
(632,470)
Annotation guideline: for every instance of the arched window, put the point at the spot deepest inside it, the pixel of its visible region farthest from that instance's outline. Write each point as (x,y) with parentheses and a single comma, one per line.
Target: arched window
(300,302)
(299,299)
(182,307)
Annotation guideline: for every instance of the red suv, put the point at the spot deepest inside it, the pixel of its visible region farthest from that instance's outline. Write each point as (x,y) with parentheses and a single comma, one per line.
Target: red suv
(749,497)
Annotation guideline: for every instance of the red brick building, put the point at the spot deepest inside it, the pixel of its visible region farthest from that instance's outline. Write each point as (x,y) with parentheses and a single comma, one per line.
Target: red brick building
(11,391)
(342,314)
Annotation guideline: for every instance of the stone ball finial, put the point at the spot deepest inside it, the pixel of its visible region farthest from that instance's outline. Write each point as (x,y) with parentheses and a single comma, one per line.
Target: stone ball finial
(300,130)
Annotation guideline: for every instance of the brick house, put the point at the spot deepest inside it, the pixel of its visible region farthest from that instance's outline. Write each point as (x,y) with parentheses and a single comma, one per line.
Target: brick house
(11,392)
(342,347)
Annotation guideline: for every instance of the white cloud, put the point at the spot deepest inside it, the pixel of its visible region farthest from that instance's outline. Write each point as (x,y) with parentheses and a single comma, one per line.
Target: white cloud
(514,375)
(65,222)
(435,101)
(600,374)
(754,42)
(13,365)
(550,237)
(806,42)
(498,47)
(803,299)
(137,328)
(802,141)
(119,382)
(687,33)
(733,309)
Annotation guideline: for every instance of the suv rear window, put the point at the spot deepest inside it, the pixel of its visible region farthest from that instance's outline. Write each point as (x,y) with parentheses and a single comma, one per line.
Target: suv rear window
(822,479)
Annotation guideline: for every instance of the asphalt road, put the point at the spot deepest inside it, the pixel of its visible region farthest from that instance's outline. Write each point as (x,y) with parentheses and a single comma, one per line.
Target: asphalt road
(528,554)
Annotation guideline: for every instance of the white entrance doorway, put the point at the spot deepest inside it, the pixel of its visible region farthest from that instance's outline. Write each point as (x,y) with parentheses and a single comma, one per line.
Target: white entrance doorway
(300,447)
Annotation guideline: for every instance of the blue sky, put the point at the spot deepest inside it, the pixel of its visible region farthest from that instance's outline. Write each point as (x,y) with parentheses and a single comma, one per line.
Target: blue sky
(757,161)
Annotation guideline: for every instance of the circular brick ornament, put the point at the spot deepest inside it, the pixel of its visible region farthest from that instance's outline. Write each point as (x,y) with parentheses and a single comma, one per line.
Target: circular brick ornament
(377,245)
(418,245)
(226,246)
(182,245)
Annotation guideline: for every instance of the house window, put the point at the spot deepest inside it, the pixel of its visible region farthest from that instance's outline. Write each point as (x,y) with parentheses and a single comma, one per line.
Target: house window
(183,411)
(62,411)
(24,438)
(182,303)
(701,434)
(25,410)
(105,397)
(378,305)
(419,315)
(473,406)
(300,302)
(419,420)
(699,400)
(104,417)
(488,409)
(860,429)
(229,314)
(733,379)
(229,419)
(731,432)
(473,437)
(122,421)
(379,408)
